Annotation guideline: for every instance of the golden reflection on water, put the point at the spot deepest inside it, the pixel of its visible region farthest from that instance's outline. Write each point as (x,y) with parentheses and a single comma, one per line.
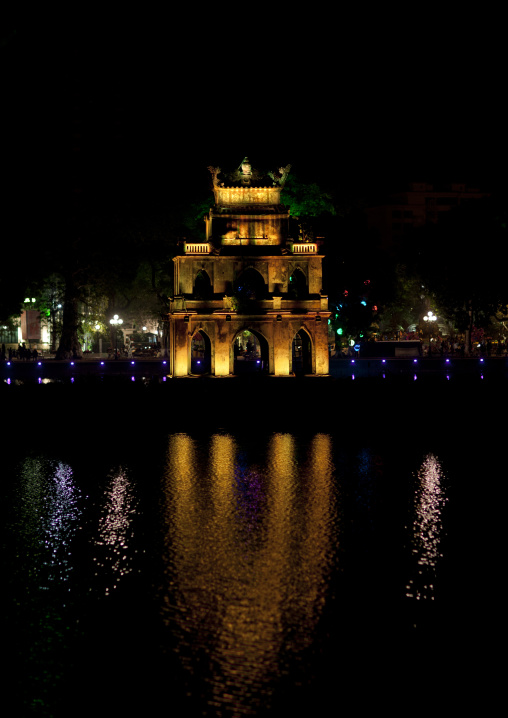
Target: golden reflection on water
(248,549)
(427,528)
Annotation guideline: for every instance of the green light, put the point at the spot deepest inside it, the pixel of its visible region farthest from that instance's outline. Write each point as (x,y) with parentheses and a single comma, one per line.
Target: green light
(339,330)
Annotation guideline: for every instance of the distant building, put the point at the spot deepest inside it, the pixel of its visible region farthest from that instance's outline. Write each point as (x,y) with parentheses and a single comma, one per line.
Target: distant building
(414,207)
(249,296)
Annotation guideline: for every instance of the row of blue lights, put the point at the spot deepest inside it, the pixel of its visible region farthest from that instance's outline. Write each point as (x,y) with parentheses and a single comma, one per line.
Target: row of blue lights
(258,361)
(102,363)
(415,361)
(447,361)
(415,377)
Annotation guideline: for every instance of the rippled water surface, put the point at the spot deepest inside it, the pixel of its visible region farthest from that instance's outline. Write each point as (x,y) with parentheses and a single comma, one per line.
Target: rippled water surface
(230,573)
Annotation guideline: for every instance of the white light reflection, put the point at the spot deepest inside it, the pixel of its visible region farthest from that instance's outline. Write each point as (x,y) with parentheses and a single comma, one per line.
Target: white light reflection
(115,529)
(50,514)
(427,529)
(63,514)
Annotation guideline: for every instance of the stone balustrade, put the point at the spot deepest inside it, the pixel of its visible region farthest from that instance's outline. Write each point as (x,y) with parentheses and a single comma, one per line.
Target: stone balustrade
(307,248)
(197,248)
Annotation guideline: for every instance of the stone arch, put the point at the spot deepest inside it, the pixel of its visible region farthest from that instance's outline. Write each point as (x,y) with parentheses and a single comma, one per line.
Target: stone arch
(203,288)
(200,347)
(298,284)
(302,352)
(250,285)
(253,355)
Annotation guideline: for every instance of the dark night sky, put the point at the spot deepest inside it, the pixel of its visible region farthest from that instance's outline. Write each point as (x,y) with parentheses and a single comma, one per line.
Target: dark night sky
(130,115)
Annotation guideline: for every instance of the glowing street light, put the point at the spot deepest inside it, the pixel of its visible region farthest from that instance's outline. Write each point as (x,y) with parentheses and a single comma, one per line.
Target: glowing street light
(116,322)
(430,318)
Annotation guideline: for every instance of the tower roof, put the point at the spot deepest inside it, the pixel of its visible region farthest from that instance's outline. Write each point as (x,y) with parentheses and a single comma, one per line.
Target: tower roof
(247,186)
(246,176)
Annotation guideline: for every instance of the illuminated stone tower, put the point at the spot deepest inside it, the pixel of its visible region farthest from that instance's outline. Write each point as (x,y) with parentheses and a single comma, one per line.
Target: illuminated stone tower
(249,297)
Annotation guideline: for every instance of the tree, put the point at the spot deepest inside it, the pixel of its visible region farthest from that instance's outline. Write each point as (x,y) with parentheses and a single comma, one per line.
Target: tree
(462,261)
(356,275)
(309,204)
(192,217)
(403,303)
(154,242)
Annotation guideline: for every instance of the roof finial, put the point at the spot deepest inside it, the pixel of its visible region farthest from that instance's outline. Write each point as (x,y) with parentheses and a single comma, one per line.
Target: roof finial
(246,167)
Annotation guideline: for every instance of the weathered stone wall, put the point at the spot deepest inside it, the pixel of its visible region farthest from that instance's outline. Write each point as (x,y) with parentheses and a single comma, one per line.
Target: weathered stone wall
(224,271)
(231,196)
(278,336)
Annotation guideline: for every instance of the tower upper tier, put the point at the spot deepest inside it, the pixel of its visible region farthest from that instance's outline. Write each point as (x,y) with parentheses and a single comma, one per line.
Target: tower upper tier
(246,185)
(247,207)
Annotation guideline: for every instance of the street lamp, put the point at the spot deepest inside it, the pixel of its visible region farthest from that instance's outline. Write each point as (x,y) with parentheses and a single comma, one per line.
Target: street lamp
(116,322)
(429,318)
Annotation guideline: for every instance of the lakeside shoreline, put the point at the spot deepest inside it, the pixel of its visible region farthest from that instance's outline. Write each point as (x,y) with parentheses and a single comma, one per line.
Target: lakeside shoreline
(364,396)
(339,368)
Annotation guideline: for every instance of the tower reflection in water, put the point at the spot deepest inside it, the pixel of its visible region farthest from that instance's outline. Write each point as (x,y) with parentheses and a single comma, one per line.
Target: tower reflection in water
(248,551)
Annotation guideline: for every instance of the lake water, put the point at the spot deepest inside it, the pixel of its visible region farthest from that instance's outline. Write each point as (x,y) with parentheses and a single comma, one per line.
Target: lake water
(184,567)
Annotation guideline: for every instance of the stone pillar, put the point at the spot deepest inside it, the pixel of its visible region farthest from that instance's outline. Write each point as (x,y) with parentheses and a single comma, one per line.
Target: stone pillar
(321,348)
(222,341)
(281,347)
(181,348)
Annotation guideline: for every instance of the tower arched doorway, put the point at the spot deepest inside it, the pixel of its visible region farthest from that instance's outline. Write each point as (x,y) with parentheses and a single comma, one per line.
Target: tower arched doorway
(250,352)
(201,353)
(302,352)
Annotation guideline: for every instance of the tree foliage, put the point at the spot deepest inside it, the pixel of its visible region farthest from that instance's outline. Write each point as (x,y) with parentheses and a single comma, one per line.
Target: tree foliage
(310,206)
(306,199)
(462,261)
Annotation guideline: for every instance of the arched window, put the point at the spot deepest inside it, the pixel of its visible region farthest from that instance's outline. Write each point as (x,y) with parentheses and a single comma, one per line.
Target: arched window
(302,353)
(298,285)
(250,286)
(203,286)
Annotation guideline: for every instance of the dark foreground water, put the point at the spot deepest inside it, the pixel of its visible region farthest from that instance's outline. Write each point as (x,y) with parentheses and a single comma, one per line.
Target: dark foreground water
(252,548)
